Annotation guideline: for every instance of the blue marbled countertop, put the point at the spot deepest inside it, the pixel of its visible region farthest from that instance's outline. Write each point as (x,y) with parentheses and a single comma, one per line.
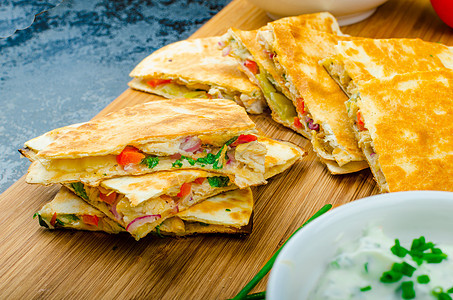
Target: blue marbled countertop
(71,60)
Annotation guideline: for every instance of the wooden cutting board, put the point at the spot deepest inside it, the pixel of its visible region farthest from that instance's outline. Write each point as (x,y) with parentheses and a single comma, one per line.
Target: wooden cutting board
(38,263)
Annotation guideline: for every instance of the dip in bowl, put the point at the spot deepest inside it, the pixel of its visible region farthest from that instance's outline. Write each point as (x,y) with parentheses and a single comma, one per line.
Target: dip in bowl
(405,216)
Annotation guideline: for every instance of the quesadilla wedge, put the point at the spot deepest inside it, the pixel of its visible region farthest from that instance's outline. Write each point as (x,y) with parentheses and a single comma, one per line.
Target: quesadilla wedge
(229,212)
(195,68)
(256,62)
(318,100)
(404,126)
(157,136)
(366,59)
(140,203)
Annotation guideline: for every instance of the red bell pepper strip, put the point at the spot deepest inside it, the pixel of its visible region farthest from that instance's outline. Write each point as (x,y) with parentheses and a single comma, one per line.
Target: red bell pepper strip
(130,155)
(155,82)
(185,190)
(244,138)
(53,220)
(297,123)
(110,199)
(90,220)
(251,65)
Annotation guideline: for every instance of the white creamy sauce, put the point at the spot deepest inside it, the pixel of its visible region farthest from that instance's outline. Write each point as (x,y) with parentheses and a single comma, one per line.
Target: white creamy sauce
(361,264)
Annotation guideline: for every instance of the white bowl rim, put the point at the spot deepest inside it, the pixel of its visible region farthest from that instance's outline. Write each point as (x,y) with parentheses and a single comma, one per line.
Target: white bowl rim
(337,213)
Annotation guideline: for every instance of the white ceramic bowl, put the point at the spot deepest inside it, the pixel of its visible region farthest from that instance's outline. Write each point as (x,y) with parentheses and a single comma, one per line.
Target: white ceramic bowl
(404,215)
(346,11)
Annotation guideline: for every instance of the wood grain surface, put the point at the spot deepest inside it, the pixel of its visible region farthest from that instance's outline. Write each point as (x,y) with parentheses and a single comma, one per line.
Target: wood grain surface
(37,263)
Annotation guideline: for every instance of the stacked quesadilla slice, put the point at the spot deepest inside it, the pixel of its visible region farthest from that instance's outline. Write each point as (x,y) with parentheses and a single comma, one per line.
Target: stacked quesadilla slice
(211,135)
(399,89)
(195,68)
(367,59)
(255,61)
(404,125)
(198,163)
(229,212)
(282,58)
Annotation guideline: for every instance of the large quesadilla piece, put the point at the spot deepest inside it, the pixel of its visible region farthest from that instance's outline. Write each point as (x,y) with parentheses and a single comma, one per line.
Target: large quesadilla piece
(195,68)
(211,135)
(140,203)
(366,59)
(404,125)
(229,212)
(255,61)
(318,100)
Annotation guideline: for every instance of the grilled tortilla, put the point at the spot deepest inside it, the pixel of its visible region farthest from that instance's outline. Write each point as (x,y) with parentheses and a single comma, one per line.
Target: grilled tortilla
(404,125)
(140,203)
(257,63)
(196,69)
(225,213)
(166,134)
(318,100)
(366,59)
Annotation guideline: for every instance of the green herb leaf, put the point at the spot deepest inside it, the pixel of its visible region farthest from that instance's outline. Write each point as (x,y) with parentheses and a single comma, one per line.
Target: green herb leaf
(59,222)
(79,190)
(408,290)
(227,209)
(218,181)
(203,224)
(158,232)
(231,141)
(41,221)
(36,214)
(423,279)
(150,161)
(365,266)
(366,288)
(177,164)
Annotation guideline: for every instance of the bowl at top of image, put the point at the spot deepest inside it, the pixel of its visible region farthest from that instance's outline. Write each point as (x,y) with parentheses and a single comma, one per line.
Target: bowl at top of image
(346,11)
(403,215)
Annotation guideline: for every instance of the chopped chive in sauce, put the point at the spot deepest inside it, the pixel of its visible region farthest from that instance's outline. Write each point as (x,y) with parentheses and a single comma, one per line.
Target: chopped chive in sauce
(365,266)
(423,279)
(404,268)
(366,288)
(450,290)
(407,287)
(444,296)
(398,250)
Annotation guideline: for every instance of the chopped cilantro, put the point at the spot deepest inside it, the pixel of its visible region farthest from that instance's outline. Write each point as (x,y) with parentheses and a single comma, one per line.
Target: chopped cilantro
(79,190)
(177,164)
(59,222)
(218,181)
(150,161)
(203,224)
(227,209)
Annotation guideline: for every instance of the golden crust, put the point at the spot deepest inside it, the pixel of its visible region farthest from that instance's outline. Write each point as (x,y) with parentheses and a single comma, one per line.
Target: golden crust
(299,51)
(367,59)
(409,119)
(159,120)
(195,61)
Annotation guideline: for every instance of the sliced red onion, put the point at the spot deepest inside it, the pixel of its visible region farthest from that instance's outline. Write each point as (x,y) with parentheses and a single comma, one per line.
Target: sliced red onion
(312,125)
(226,51)
(191,144)
(175,210)
(221,44)
(372,155)
(140,221)
(186,201)
(114,211)
(230,155)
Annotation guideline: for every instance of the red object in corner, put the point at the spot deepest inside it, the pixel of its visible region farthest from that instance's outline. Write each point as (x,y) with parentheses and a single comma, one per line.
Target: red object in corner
(444,9)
